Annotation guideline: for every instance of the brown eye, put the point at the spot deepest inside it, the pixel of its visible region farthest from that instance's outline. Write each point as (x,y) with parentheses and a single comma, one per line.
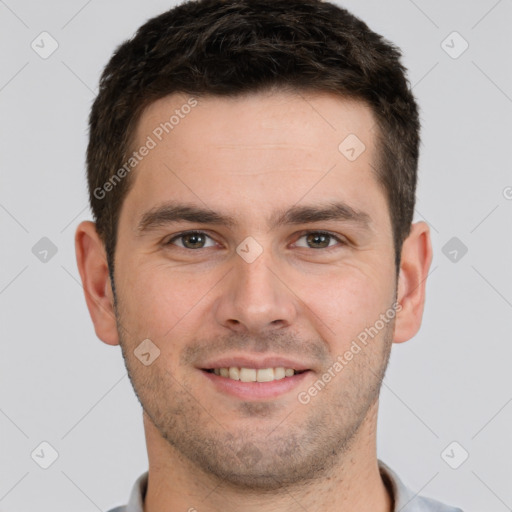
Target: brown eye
(190,240)
(320,240)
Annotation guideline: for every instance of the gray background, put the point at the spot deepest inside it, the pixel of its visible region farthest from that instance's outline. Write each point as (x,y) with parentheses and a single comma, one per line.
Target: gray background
(60,384)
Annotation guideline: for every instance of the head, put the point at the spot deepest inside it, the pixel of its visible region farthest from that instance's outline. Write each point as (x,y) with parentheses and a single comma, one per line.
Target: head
(204,49)
(285,135)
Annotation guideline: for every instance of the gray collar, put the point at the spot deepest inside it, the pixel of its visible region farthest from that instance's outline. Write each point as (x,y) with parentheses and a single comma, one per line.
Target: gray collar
(405,500)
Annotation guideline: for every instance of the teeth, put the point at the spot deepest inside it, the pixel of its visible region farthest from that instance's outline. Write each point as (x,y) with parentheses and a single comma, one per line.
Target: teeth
(265,375)
(248,374)
(234,373)
(279,373)
(254,375)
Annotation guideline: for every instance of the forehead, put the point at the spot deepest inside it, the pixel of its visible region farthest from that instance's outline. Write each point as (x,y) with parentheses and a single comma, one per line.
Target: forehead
(264,148)
(309,119)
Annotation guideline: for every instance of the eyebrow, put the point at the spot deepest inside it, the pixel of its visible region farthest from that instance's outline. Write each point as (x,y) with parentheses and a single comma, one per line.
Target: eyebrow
(171,211)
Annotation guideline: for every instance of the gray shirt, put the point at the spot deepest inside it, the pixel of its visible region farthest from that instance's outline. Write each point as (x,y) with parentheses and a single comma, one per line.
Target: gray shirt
(405,499)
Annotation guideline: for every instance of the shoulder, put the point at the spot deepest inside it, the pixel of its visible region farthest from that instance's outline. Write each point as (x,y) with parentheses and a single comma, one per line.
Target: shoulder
(405,499)
(424,504)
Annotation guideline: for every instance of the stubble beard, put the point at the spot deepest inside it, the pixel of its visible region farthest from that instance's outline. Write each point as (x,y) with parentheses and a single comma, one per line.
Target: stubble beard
(292,448)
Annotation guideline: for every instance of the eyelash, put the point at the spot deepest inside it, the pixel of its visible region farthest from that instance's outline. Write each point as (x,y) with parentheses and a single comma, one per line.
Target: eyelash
(340,241)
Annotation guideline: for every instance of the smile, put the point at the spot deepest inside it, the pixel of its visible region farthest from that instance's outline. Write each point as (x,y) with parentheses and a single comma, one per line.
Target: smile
(255,374)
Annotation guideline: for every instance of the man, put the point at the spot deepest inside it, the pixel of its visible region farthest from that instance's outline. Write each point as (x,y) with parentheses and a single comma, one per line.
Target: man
(252,172)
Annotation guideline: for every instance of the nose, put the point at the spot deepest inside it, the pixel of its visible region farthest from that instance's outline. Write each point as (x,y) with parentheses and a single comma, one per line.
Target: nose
(255,298)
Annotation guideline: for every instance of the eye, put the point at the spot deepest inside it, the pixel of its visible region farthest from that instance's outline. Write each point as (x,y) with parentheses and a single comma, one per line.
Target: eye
(191,240)
(320,240)
(199,240)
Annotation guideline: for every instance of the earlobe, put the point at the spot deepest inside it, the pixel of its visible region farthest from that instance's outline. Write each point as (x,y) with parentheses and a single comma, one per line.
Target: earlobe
(93,269)
(416,257)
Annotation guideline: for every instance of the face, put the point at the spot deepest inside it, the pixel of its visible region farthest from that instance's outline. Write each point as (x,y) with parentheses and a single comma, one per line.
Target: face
(251,240)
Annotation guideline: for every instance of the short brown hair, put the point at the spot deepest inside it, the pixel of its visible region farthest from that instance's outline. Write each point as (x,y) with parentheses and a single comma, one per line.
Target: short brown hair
(233,47)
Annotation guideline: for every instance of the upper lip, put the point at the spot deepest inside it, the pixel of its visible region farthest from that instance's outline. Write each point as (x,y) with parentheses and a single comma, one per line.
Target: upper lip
(254,362)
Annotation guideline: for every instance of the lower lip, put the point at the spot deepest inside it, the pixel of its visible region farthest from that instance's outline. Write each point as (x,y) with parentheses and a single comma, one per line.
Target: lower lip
(255,390)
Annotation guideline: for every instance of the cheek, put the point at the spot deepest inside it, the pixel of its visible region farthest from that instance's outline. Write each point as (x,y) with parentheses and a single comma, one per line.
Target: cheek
(349,303)
(156,301)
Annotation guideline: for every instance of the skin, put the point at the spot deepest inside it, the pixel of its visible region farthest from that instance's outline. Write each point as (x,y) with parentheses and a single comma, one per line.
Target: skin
(300,298)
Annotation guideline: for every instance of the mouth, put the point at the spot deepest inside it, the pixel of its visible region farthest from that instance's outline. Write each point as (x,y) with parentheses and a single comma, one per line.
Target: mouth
(244,374)
(249,379)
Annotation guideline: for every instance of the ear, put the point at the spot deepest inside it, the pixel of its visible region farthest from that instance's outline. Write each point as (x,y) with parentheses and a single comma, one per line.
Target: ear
(92,265)
(414,266)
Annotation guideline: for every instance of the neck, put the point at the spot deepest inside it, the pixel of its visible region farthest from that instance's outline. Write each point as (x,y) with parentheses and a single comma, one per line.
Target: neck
(354,483)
